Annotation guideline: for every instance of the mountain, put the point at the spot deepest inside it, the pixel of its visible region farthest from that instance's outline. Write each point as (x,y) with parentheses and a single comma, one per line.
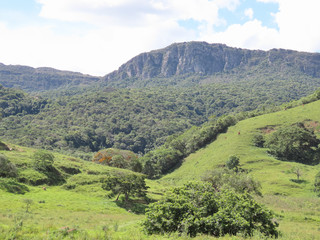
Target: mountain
(165,92)
(202,60)
(41,79)
(180,64)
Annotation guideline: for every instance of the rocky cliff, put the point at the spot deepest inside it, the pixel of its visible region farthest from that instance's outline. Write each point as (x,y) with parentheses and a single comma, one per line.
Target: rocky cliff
(207,59)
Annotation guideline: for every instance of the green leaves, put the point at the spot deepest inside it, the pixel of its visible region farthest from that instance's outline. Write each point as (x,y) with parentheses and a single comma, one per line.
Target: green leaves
(127,184)
(7,169)
(197,208)
(294,143)
(43,160)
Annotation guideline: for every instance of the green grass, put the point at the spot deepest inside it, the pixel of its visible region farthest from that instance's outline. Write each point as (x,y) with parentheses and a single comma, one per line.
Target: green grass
(296,204)
(82,204)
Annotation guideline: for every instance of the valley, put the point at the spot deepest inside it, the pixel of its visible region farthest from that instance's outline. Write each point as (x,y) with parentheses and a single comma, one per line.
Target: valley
(164,119)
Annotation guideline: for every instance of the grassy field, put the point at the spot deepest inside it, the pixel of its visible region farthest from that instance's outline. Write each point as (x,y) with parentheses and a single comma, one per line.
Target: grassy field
(296,204)
(85,212)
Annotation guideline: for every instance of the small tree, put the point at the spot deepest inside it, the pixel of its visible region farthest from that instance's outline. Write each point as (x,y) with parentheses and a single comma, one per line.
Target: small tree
(233,163)
(228,179)
(7,169)
(28,203)
(258,140)
(127,184)
(43,160)
(294,143)
(297,171)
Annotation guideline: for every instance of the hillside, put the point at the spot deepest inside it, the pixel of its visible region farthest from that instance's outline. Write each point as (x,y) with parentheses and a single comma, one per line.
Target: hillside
(191,63)
(78,202)
(294,201)
(39,209)
(149,98)
(133,119)
(41,79)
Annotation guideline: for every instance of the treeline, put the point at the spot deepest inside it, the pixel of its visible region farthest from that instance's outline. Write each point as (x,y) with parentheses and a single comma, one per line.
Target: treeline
(169,156)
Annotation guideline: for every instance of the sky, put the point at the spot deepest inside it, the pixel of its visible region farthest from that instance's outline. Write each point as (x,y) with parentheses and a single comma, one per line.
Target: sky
(97,36)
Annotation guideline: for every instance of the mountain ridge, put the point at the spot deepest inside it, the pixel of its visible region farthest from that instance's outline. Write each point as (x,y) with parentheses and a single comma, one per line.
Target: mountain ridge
(208,59)
(42,78)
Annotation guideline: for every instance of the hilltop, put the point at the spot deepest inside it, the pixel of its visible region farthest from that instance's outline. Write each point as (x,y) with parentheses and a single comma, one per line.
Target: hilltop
(41,79)
(192,63)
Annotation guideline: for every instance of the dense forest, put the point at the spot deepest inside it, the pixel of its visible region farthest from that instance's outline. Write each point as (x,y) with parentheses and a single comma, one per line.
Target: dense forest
(134,119)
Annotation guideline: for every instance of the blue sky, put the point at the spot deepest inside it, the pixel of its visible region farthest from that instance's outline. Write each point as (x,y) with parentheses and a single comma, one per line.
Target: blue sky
(97,36)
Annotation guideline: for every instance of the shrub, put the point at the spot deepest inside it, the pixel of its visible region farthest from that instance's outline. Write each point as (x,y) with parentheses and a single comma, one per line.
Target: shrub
(7,169)
(12,186)
(258,140)
(127,184)
(294,143)
(228,179)
(233,163)
(43,160)
(197,208)
(118,158)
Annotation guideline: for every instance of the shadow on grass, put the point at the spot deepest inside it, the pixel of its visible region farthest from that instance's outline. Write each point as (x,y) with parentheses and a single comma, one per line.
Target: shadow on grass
(137,206)
(298,181)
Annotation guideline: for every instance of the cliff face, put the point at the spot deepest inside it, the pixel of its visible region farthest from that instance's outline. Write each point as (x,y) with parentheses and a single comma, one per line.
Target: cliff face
(206,59)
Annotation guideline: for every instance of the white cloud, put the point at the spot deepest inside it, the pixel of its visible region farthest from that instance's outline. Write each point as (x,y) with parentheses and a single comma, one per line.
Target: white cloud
(248,13)
(298,28)
(103,34)
(299,24)
(251,35)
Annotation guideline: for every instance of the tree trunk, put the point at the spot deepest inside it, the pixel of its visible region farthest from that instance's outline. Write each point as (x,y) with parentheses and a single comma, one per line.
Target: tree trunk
(118,196)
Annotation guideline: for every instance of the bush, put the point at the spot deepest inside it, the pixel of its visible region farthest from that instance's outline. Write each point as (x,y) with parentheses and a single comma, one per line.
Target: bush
(197,208)
(118,158)
(7,169)
(127,184)
(43,160)
(12,186)
(228,179)
(233,163)
(258,140)
(294,143)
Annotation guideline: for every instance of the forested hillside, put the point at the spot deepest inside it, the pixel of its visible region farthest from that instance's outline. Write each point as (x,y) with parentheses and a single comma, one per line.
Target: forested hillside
(41,79)
(135,119)
(14,102)
(151,97)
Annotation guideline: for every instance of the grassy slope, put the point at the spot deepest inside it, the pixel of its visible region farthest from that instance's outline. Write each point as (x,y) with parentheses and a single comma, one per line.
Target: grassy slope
(85,208)
(296,203)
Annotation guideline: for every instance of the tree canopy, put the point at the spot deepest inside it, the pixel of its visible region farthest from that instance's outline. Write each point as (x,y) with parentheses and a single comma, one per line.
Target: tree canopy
(294,143)
(198,208)
(127,184)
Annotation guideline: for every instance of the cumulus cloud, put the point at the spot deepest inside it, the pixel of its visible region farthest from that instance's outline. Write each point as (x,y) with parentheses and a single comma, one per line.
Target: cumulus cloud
(298,28)
(100,35)
(248,13)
